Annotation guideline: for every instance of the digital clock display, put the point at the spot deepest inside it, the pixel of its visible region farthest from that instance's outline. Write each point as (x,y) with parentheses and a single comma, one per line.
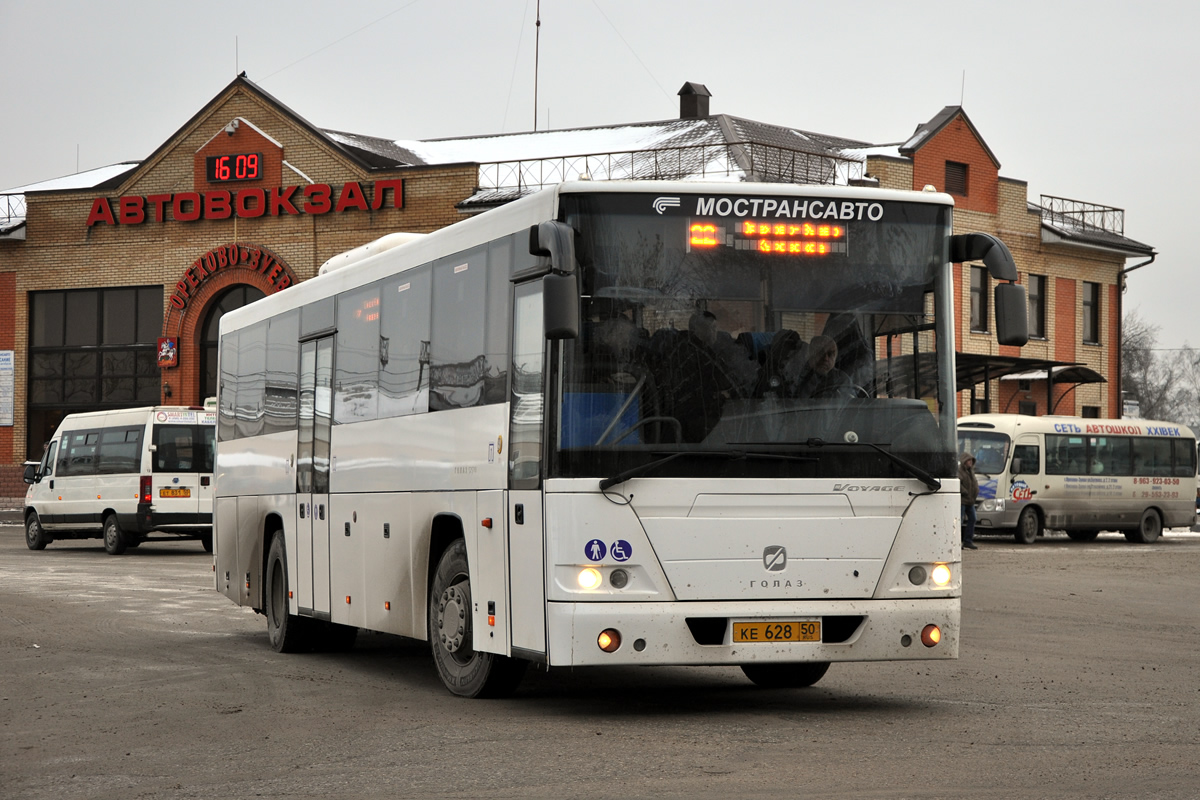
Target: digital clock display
(234,167)
(776,238)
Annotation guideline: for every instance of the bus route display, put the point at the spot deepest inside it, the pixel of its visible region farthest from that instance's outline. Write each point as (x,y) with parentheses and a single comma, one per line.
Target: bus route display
(790,238)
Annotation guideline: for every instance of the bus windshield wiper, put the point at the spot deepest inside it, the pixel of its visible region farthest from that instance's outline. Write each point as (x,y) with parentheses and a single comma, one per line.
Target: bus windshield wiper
(731,455)
(912,469)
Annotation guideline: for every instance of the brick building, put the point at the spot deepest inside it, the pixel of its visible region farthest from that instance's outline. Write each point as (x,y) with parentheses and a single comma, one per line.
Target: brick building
(112,280)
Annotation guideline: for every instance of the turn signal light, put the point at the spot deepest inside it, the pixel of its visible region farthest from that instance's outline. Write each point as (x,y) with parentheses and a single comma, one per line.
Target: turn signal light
(609,640)
(931,635)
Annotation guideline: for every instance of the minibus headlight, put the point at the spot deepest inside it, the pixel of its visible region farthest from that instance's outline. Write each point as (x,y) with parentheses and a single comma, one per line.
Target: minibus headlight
(996,504)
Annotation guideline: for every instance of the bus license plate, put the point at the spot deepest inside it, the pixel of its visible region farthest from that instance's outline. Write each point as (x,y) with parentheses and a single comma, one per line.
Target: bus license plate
(174,492)
(777,631)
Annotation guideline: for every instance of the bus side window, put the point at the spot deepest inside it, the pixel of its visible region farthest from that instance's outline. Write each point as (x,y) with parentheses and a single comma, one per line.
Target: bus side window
(1028,456)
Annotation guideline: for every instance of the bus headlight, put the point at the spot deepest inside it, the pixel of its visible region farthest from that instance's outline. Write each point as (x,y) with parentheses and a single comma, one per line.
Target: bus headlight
(995,504)
(589,578)
(940,575)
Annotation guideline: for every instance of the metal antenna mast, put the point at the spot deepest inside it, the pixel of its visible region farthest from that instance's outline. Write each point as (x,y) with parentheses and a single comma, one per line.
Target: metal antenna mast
(537,41)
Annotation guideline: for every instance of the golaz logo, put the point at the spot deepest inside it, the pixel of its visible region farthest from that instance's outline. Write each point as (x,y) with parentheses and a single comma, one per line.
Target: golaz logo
(774,558)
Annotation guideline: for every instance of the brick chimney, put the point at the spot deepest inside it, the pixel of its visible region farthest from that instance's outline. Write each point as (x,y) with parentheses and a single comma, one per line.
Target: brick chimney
(693,101)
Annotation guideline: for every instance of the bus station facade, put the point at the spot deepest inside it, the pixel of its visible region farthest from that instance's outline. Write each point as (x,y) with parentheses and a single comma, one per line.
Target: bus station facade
(112,280)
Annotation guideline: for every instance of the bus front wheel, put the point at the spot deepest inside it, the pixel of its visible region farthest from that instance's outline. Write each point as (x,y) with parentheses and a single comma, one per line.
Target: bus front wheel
(1029,526)
(287,632)
(35,534)
(1148,529)
(465,671)
(786,676)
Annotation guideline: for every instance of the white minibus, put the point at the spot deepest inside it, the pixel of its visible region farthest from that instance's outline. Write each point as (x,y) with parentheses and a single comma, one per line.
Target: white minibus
(124,476)
(1080,475)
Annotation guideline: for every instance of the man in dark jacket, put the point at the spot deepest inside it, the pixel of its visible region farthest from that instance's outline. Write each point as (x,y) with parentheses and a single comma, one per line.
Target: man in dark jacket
(969,487)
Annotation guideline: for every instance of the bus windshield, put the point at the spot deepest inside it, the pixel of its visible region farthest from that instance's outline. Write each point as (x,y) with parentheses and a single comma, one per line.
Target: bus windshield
(786,345)
(990,449)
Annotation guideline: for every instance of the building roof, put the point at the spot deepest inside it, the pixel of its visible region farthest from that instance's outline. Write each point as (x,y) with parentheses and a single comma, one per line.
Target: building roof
(1086,225)
(927,131)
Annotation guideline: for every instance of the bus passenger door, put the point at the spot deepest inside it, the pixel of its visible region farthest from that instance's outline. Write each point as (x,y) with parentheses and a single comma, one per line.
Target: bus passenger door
(526,545)
(312,477)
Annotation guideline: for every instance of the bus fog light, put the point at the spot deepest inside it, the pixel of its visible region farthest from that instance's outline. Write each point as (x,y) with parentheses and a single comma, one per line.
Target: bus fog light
(589,578)
(931,635)
(917,575)
(609,640)
(619,578)
(941,575)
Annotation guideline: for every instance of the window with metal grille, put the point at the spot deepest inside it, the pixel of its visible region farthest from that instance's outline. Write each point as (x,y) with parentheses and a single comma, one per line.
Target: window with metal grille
(956,178)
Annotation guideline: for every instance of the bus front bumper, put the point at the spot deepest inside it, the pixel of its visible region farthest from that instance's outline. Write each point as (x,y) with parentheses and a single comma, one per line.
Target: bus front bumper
(702,633)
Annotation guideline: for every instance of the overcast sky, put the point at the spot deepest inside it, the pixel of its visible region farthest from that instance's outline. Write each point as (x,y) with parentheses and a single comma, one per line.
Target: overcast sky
(1093,101)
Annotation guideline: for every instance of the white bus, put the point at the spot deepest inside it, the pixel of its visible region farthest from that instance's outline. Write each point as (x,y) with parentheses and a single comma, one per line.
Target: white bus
(580,429)
(1081,475)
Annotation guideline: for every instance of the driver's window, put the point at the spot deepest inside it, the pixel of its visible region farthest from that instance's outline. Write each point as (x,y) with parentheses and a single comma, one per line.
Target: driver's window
(47,465)
(1028,455)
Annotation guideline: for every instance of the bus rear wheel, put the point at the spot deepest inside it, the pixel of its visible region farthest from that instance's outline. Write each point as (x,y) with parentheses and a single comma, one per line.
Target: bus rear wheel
(1029,526)
(786,676)
(465,671)
(1148,529)
(287,632)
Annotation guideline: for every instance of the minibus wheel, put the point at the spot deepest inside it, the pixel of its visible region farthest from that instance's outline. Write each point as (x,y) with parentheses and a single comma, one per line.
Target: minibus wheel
(35,534)
(1029,526)
(114,537)
(786,676)
(465,671)
(1148,529)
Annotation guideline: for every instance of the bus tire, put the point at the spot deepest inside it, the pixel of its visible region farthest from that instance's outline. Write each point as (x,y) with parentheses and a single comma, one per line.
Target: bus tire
(287,632)
(206,542)
(464,670)
(1148,530)
(114,537)
(1083,536)
(1029,526)
(786,676)
(35,534)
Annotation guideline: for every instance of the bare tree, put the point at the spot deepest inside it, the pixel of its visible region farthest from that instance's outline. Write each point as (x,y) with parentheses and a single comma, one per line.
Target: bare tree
(1164,385)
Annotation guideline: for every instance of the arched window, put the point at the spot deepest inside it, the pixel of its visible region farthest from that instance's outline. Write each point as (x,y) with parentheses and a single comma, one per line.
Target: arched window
(236,297)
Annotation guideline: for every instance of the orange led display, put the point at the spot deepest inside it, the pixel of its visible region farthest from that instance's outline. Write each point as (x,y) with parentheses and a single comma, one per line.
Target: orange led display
(703,234)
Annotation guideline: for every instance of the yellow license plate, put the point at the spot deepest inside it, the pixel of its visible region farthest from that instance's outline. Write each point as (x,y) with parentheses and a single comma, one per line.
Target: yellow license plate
(174,492)
(777,631)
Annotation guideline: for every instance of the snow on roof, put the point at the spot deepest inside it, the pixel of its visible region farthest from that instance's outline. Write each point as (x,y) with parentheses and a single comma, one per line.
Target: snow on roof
(535,146)
(80,180)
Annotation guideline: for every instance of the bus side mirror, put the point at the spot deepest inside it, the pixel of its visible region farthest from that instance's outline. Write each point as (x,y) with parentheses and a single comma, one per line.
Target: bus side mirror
(31,474)
(1012,310)
(560,289)
(1015,469)
(1012,322)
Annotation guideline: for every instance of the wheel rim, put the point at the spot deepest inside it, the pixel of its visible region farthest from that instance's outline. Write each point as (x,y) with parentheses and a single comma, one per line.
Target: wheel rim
(1028,525)
(453,622)
(33,531)
(110,535)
